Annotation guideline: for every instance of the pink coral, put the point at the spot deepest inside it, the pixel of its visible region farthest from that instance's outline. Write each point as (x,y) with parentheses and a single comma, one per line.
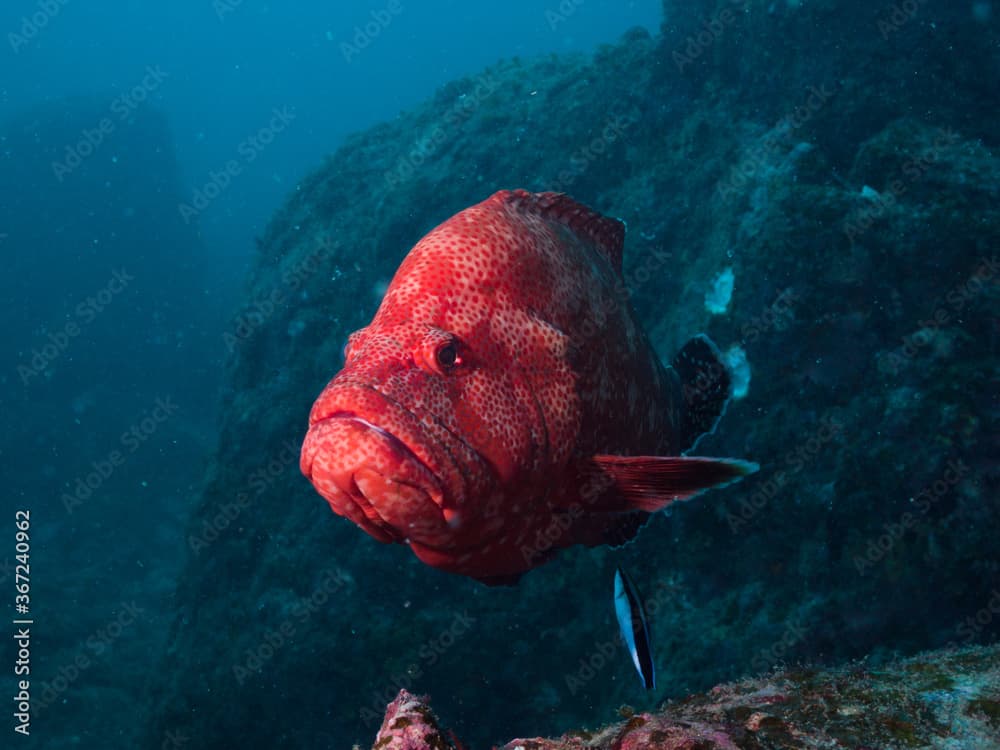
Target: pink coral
(409,724)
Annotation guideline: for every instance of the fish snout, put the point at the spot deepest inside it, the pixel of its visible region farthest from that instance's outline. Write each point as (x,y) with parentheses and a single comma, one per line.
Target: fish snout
(373,478)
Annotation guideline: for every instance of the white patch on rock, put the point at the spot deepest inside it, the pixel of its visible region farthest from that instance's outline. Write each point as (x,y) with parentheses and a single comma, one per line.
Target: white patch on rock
(871,194)
(721,292)
(739,370)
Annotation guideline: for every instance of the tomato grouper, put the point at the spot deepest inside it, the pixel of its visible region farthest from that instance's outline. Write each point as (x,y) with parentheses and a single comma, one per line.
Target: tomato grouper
(504,403)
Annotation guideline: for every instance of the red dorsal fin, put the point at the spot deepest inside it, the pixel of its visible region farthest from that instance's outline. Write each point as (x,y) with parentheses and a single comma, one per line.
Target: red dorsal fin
(651,483)
(606,233)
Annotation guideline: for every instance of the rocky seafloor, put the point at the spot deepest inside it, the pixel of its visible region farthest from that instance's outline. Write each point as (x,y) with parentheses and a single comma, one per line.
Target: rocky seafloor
(837,163)
(942,700)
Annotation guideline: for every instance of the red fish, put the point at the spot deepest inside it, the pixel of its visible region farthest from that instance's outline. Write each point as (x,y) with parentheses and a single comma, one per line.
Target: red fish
(504,403)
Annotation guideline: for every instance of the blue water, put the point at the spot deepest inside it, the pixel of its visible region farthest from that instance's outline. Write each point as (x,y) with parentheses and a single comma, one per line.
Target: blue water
(145,150)
(113,115)
(228,65)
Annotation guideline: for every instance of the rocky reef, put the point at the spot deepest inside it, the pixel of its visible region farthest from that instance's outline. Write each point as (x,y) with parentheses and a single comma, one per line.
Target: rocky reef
(812,184)
(938,700)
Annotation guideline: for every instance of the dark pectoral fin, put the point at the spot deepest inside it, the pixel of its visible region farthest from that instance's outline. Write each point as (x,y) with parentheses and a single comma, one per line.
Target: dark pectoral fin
(651,483)
(705,389)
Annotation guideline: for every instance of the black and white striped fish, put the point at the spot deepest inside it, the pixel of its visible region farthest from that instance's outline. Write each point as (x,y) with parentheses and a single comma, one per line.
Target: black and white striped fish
(635,631)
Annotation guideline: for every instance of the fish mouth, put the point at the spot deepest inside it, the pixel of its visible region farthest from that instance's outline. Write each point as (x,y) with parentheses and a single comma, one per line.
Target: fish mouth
(374,478)
(395,442)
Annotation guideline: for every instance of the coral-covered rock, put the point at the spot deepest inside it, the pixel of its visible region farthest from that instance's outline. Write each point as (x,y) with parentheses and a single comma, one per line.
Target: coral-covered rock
(409,724)
(944,700)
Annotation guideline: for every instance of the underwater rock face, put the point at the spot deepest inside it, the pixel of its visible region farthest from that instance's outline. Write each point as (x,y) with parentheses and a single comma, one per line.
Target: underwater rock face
(937,700)
(868,322)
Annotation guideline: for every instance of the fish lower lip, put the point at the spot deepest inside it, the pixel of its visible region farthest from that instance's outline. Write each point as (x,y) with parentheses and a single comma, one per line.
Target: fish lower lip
(396,443)
(371,512)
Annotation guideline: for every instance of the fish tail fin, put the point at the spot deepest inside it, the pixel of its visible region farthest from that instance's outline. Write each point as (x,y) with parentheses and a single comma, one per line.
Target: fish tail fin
(705,389)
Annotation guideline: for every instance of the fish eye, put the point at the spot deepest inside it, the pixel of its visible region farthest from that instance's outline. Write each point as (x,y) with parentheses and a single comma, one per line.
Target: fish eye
(447,356)
(439,352)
